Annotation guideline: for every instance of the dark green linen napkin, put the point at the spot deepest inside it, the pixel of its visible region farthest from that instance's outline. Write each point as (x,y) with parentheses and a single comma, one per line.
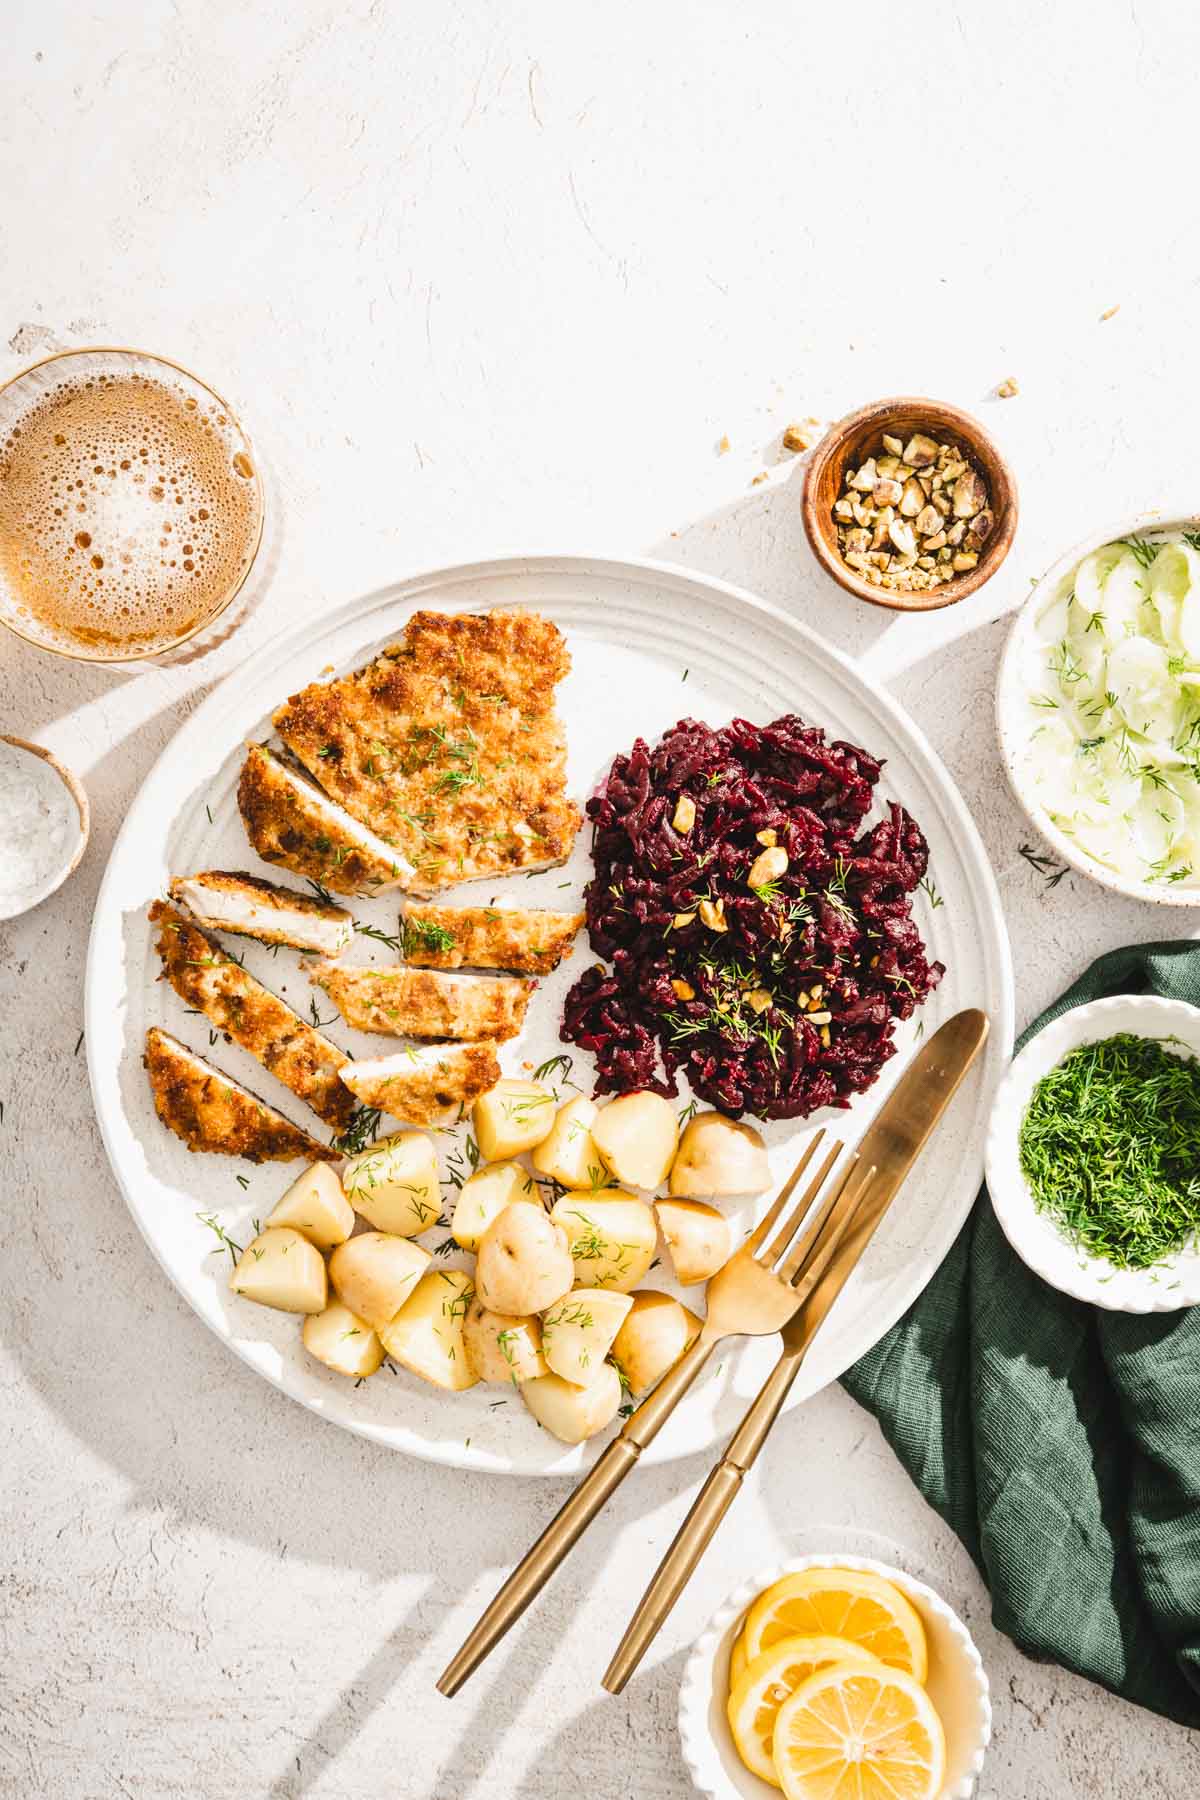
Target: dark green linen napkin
(1061,1442)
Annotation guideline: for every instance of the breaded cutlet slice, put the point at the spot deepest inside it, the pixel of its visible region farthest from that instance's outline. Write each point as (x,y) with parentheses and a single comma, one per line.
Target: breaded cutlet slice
(433,1084)
(448,745)
(231,900)
(212,1112)
(290,822)
(527,940)
(235,1002)
(420,1003)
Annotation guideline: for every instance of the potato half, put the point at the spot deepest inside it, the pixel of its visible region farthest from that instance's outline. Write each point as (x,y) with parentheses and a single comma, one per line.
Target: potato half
(484,1196)
(524,1262)
(342,1341)
(697,1236)
(612,1236)
(654,1335)
(719,1158)
(316,1205)
(501,1346)
(394,1184)
(569,1155)
(374,1274)
(574,1413)
(514,1116)
(578,1332)
(282,1269)
(426,1335)
(637,1137)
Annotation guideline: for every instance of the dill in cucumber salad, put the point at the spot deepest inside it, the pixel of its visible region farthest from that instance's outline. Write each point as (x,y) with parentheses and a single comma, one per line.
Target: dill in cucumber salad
(1112,682)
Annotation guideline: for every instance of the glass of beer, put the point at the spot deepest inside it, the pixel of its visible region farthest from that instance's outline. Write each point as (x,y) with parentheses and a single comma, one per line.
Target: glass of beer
(131,505)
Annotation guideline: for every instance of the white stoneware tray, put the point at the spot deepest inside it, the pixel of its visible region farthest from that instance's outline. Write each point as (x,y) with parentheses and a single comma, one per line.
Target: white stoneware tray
(650,644)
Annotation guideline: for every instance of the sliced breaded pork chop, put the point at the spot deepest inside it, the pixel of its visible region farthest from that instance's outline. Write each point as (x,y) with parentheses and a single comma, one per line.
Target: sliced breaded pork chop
(422,1004)
(430,1085)
(211,1112)
(528,940)
(239,1005)
(292,823)
(231,900)
(448,745)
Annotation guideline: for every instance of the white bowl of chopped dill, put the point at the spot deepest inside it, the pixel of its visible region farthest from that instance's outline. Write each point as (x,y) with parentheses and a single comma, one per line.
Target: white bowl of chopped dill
(1093,1154)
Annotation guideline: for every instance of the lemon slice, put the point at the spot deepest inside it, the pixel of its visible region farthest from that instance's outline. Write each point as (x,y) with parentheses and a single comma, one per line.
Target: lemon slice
(767,1682)
(845,1603)
(854,1730)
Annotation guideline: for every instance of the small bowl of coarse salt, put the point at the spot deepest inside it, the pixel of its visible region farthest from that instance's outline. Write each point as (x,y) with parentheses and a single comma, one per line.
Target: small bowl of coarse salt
(44,823)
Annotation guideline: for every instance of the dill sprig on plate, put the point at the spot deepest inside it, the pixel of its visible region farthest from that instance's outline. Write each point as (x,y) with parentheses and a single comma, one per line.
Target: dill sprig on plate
(1110,1147)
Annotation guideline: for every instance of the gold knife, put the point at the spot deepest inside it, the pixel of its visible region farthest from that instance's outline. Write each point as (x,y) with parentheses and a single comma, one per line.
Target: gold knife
(892,1144)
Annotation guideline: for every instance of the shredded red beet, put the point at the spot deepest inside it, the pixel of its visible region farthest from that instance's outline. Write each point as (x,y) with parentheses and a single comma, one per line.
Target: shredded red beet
(792,1006)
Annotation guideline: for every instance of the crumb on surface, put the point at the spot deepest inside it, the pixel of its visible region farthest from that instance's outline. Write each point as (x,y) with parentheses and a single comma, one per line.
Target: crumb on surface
(1110,313)
(761,476)
(723,444)
(1008,388)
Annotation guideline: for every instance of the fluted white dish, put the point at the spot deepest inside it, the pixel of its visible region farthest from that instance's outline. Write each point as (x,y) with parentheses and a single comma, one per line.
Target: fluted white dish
(1035,1236)
(957,1684)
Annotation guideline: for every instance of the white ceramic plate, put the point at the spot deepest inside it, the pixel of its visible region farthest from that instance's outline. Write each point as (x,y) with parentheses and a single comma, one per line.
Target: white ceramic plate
(1012,719)
(650,644)
(956,1683)
(1034,1236)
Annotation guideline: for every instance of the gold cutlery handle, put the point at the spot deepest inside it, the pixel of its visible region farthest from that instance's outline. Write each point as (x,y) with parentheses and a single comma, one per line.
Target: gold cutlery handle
(697,1531)
(573,1518)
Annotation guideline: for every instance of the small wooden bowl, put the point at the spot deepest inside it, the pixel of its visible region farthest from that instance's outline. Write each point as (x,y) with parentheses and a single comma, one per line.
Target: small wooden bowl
(859,435)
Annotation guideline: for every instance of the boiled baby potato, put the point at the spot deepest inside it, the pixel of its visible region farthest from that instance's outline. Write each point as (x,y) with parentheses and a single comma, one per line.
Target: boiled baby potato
(697,1236)
(426,1335)
(342,1341)
(501,1346)
(316,1205)
(514,1116)
(569,1155)
(574,1413)
(577,1333)
(282,1269)
(612,1237)
(394,1184)
(718,1158)
(655,1333)
(524,1262)
(637,1136)
(484,1195)
(374,1274)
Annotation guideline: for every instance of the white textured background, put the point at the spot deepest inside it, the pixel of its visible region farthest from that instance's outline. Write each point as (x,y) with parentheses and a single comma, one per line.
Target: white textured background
(486,278)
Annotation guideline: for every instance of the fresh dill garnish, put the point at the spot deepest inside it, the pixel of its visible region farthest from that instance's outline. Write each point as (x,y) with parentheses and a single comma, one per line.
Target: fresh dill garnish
(395,943)
(361,1131)
(416,933)
(931,894)
(545,1071)
(1051,871)
(318,1022)
(322,893)
(1110,1147)
(224,1241)
(243,1181)
(1141,549)
(78,1041)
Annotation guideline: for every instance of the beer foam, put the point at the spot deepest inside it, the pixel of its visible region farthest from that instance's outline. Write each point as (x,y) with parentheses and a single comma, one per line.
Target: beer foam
(129,514)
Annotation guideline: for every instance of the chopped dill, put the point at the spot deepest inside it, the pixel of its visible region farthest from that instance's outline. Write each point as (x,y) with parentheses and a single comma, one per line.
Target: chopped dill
(1110,1147)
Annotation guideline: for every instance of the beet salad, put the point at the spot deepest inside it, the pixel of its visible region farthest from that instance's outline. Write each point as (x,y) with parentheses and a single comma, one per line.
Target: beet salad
(760,935)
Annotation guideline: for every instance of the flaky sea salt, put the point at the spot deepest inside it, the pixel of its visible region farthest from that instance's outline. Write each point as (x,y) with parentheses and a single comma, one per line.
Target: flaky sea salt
(39,827)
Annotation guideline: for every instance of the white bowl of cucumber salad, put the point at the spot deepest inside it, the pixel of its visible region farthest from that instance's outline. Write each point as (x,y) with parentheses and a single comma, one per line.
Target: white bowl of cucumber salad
(1098,707)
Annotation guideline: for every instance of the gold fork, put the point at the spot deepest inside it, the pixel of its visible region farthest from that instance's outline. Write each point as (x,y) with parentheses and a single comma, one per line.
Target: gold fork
(892,1144)
(752,1295)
